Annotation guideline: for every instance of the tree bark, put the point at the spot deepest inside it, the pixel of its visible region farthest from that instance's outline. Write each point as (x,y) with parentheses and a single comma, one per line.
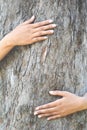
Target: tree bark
(28,73)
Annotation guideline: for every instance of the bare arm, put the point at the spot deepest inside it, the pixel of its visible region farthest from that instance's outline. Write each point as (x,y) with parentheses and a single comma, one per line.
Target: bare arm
(5,47)
(25,34)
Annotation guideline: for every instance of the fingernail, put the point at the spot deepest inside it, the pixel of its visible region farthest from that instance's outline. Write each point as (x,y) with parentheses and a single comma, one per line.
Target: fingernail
(39,116)
(37,108)
(45,37)
(35,113)
(50,21)
(48,119)
(51,31)
(54,25)
(33,17)
(51,92)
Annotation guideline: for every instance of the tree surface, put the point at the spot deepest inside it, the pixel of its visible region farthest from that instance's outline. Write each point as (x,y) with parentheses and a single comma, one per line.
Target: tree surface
(59,63)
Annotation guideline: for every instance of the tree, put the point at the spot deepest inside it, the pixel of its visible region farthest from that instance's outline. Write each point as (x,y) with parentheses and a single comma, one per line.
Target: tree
(28,73)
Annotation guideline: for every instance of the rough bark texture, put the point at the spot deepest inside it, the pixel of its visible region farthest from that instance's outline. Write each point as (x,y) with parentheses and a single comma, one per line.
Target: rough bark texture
(28,73)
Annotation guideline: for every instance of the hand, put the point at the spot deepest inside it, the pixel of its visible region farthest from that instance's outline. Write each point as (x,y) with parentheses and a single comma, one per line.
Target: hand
(29,32)
(68,104)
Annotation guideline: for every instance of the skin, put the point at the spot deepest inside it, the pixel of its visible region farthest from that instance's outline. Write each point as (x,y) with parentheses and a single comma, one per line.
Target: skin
(68,104)
(29,33)
(25,34)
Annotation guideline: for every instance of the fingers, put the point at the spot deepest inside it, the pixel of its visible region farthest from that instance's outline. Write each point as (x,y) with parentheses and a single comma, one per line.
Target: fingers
(36,31)
(53,117)
(49,105)
(43,23)
(38,39)
(51,26)
(43,115)
(45,30)
(43,33)
(59,93)
(31,20)
(47,27)
(46,111)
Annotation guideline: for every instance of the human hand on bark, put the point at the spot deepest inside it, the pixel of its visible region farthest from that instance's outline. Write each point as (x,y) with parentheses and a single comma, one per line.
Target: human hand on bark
(29,32)
(68,104)
(25,34)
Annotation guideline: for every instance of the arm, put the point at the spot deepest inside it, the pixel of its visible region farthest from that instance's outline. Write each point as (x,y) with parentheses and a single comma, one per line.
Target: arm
(5,47)
(25,34)
(68,104)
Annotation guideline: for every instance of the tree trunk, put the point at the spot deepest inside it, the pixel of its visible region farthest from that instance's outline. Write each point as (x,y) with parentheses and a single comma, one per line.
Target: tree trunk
(28,73)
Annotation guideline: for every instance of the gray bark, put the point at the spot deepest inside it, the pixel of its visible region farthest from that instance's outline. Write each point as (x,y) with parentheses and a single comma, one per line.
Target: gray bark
(28,73)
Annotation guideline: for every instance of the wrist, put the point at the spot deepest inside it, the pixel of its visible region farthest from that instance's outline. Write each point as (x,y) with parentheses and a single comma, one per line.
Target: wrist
(83,103)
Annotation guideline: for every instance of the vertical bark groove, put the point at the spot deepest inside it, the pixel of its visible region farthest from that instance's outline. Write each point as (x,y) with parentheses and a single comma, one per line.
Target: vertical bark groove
(28,73)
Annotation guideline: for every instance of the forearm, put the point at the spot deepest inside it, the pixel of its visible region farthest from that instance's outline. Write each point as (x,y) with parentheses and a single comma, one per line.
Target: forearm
(5,47)
(83,103)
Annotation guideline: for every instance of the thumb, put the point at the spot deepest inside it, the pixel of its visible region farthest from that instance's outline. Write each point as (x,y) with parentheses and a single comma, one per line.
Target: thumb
(31,20)
(59,93)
